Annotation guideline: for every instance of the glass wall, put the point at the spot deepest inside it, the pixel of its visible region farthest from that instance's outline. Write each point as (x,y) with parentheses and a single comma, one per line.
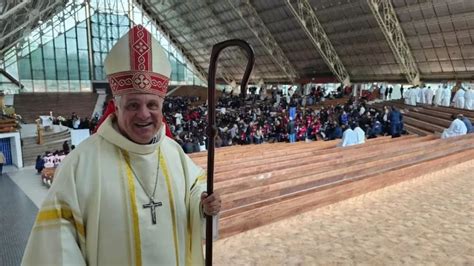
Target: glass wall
(61,56)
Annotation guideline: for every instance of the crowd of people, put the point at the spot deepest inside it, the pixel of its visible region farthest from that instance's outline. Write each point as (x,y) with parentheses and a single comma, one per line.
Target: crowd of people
(458,97)
(52,159)
(274,120)
(76,122)
(286,117)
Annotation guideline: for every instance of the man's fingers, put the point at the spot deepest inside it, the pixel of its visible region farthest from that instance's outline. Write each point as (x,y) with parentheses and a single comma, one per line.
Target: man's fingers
(207,199)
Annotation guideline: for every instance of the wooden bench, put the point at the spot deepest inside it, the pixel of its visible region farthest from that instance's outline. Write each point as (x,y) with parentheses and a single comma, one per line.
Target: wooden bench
(451,110)
(261,165)
(445,123)
(422,124)
(254,151)
(316,164)
(252,207)
(434,113)
(323,167)
(417,131)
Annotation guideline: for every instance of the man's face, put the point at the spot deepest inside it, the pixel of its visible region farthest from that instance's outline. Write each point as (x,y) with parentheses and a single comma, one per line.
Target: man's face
(139,116)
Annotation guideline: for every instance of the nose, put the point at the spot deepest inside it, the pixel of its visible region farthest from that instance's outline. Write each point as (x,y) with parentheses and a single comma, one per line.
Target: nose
(143,113)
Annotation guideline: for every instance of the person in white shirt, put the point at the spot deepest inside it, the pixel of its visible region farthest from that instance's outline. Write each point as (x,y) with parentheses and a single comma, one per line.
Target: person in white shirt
(417,94)
(445,96)
(458,99)
(349,138)
(422,95)
(360,134)
(469,99)
(406,96)
(428,96)
(414,96)
(178,116)
(457,128)
(382,92)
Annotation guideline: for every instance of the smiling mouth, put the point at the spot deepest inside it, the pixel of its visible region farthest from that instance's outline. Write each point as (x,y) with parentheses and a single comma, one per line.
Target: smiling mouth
(142,125)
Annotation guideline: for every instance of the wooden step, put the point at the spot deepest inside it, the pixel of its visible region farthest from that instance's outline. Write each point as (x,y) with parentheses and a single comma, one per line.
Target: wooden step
(262,165)
(430,119)
(318,164)
(451,110)
(289,202)
(255,155)
(417,131)
(304,177)
(422,124)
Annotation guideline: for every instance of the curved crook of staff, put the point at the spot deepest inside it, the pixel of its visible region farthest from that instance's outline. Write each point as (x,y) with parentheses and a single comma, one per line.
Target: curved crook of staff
(211,128)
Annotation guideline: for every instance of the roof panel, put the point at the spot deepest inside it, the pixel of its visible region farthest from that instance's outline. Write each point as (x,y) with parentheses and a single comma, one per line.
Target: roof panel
(458,65)
(446,66)
(467,51)
(437,31)
(469,65)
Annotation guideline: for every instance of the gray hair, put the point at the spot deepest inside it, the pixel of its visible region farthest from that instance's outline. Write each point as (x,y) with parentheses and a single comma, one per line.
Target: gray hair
(118,100)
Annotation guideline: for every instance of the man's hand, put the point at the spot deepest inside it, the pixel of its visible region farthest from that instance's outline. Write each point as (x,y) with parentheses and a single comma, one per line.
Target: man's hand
(211,205)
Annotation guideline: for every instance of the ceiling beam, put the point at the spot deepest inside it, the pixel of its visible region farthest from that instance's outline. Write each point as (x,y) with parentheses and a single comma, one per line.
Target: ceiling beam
(387,19)
(208,42)
(250,17)
(306,16)
(12,11)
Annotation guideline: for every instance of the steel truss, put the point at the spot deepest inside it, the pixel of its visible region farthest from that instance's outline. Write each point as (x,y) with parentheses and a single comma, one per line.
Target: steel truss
(305,15)
(387,19)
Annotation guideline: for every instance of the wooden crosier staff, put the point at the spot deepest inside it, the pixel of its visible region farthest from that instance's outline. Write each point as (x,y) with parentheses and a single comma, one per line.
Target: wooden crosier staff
(211,114)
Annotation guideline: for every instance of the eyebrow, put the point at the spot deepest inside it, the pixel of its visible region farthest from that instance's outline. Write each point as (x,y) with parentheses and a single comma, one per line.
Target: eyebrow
(139,100)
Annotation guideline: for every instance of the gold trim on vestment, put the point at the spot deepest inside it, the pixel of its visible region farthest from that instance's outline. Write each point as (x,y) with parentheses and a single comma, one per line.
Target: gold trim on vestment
(199,179)
(56,213)
(133,203)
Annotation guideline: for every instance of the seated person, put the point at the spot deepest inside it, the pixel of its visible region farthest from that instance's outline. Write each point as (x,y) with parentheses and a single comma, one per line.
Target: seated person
(376,129)
(349,137)
(457,128)
(49,160)
(360,134)
(468,123)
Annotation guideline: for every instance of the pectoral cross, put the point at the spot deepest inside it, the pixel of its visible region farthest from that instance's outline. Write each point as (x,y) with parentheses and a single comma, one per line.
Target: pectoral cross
(152,205)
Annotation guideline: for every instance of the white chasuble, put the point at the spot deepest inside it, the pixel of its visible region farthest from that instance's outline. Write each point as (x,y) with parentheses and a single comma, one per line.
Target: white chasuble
(94,213)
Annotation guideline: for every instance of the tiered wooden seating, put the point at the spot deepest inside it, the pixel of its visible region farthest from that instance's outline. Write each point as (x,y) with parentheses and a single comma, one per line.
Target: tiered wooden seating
(32,105)
(283,180)
(450,110)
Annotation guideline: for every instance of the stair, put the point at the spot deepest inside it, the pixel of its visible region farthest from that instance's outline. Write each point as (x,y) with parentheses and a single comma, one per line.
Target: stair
(51,142)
